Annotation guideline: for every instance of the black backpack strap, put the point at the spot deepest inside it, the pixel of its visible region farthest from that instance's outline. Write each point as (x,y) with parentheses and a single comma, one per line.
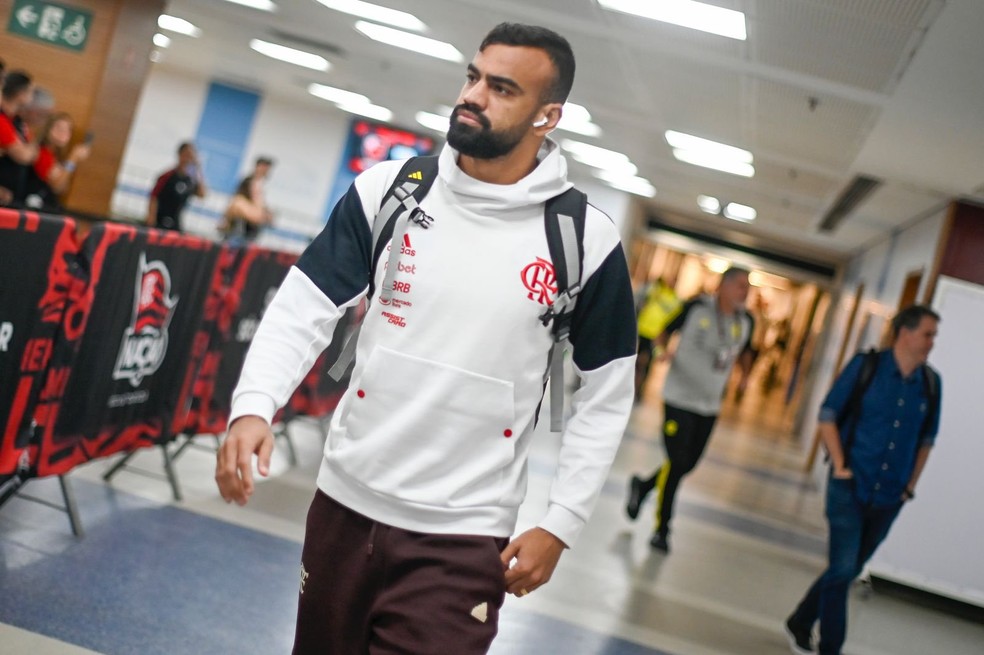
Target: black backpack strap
(403,199)
(931,387)
(564,217)
(849,416)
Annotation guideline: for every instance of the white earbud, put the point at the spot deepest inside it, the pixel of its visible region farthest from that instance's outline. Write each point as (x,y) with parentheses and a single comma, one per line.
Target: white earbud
(540,123)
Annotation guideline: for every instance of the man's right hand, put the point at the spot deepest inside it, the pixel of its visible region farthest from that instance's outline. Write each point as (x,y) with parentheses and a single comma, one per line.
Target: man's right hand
(843,474)
(248,435)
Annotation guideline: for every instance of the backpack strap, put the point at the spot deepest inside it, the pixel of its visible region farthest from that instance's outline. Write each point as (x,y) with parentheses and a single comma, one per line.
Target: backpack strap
(402,200)
(564,223)
(931,387)
(852,410)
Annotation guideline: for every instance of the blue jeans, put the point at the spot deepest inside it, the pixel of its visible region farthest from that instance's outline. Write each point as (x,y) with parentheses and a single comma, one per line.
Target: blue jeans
(856,530)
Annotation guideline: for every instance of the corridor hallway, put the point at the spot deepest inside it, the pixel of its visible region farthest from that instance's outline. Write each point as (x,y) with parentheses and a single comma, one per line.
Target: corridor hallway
(200,577)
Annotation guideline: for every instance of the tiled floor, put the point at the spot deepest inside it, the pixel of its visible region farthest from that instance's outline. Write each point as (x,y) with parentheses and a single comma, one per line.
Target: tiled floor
(152,576)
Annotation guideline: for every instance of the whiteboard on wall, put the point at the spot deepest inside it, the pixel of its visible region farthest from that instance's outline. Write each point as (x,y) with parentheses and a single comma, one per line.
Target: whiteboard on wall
(936,543)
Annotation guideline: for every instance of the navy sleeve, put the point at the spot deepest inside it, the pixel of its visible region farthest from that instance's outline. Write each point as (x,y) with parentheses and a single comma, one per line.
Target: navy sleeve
(677,323)
(604,326)
(338,260)
(840,393)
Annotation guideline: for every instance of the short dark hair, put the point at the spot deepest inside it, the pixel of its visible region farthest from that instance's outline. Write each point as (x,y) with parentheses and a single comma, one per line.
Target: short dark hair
(15,83)
(734,271)
(556,47)
(185,145)
(910,318)
(264,160)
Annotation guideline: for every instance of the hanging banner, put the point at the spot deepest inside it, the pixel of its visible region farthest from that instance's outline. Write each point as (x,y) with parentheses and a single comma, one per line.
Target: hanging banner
(37,257)
(129,343)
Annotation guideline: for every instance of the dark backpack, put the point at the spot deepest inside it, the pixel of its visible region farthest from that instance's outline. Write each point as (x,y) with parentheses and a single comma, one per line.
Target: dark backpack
(847,420)
(564,224)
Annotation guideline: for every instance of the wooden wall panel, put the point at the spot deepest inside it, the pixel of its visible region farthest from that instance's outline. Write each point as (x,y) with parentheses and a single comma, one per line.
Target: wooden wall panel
(99,86)
(963,254)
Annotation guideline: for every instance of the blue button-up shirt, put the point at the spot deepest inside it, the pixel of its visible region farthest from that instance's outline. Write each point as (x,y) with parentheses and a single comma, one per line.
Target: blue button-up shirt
(889,427)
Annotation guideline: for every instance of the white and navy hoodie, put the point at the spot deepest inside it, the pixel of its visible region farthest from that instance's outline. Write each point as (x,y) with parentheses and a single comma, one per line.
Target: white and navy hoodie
(434,430)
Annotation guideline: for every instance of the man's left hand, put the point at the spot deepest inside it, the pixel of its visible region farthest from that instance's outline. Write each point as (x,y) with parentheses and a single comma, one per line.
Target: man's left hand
(536,552)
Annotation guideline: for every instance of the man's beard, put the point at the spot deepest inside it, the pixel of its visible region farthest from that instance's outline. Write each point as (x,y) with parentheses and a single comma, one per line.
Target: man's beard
(484,142)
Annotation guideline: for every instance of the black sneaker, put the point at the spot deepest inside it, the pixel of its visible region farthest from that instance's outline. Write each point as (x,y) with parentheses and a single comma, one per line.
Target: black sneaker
(659,542)
(800,639)
(636,496)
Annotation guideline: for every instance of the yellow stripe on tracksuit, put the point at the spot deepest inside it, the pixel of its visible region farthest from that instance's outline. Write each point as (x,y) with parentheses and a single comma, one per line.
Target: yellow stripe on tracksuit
(664,474)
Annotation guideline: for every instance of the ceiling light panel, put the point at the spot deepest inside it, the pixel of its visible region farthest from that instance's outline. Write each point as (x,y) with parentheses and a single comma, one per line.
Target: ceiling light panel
(709,161)
(263,5)
(290,55)
(375,112)
(434,122)
(408,41)
(178,25)
(686,13)
(339,96)
(376,13)
(737,212)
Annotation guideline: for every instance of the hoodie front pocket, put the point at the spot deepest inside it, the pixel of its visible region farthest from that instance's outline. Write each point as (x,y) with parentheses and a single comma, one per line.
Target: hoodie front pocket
(427,432)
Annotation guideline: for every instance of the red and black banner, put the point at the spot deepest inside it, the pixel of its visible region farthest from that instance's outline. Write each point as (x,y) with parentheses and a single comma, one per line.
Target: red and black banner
(121,371)
(37,269)
(249,279)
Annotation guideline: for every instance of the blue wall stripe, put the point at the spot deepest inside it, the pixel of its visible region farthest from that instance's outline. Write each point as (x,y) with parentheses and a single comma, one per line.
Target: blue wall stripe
(223,131)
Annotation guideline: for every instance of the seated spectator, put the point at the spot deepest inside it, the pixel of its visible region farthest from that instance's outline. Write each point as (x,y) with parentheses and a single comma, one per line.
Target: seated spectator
(52,170)
(247,211)
(18,153)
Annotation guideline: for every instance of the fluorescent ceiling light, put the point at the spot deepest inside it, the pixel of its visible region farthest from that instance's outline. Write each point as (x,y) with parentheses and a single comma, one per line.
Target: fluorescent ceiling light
(686,13)
(577,119)
(376,13)
(637,185)
(161,41)
(434,122)
(179,25)
(415,42)
(264,5)
(444,110)
(763,279)
(290,55)
(369,111)
(726,166)
(709,204)
(738,212)
(717,265)
(594,155)
(338,96)
(706,146)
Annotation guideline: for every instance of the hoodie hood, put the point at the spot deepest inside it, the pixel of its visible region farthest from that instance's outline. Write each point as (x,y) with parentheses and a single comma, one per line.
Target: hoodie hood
(547,180)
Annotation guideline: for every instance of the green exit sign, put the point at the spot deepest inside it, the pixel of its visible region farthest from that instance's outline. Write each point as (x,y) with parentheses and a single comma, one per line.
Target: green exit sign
(51,23)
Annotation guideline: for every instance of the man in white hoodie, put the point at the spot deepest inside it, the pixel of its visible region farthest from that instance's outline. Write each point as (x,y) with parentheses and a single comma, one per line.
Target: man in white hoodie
(408,546)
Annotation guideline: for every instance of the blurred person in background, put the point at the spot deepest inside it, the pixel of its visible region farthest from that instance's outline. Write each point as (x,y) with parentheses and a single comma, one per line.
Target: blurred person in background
(247,212)
(18,151)
(52,171)
(173,189)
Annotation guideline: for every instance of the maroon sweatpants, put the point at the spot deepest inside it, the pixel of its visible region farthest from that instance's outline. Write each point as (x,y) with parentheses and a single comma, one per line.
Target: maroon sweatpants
(367,587)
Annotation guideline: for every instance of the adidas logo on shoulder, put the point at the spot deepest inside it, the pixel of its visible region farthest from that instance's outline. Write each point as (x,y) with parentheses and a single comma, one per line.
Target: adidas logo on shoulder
(416,175)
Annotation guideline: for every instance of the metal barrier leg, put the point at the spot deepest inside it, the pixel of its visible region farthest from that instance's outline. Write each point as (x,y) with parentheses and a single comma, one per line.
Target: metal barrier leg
(172,477)
(70,507)
(115,468)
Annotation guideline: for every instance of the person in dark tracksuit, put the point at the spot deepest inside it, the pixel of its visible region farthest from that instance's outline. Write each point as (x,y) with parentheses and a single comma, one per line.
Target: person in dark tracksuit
(715,333)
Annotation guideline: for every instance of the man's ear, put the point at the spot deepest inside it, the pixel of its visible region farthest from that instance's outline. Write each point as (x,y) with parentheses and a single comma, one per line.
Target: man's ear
(548,117)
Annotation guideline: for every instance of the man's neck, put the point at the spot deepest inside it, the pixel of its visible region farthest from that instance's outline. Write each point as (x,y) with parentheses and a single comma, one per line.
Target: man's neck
(723,307)
(906,363)
(508,169)
(9,108)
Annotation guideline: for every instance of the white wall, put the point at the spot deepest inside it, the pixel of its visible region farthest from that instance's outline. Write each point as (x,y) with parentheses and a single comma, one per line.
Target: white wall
(305,139)
(882,268)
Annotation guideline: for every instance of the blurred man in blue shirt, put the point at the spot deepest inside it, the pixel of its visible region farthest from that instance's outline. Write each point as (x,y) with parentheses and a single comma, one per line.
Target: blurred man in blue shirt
(878,444)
